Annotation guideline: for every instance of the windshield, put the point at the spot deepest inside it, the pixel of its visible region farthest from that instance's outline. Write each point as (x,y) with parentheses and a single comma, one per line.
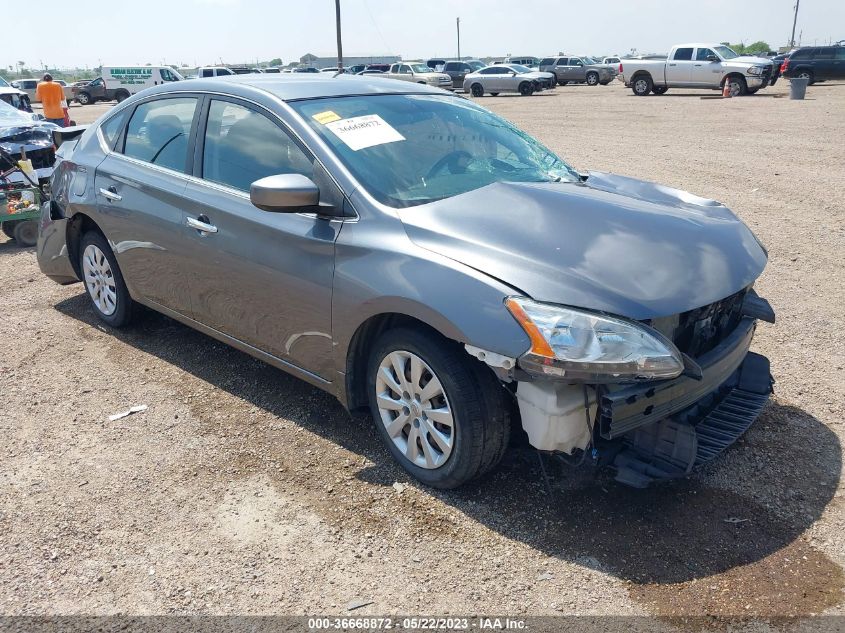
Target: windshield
(420,68)
(4,83)
(725,52)
(520,68)
(408,150)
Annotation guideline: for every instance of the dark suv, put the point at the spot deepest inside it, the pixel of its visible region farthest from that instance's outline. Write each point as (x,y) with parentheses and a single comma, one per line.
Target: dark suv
(816,63)
(457,70)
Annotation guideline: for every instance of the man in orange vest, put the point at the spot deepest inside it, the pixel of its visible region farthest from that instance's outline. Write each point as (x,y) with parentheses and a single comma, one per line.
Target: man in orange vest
(51,96)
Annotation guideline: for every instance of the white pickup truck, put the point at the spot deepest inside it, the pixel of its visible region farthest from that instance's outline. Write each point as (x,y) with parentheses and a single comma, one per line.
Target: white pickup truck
(706,66)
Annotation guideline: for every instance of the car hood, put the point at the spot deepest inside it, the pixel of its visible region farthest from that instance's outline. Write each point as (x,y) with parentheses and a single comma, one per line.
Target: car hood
(751,59)
(612,244)
(30,137)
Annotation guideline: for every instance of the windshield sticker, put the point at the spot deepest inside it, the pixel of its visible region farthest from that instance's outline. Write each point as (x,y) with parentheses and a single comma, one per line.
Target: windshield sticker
(326,117)
(364,131)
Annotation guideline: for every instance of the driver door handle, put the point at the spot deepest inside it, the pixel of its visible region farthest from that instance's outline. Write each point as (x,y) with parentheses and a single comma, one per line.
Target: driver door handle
(111,194)
(200,225)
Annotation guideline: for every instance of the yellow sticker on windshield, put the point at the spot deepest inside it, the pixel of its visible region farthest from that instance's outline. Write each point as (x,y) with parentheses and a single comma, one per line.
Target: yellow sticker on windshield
(325,117)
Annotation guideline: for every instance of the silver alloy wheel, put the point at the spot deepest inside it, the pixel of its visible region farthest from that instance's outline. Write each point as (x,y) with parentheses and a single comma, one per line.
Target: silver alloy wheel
(592,79)
(99,279)
(736,88)
(413,407)
(641,86)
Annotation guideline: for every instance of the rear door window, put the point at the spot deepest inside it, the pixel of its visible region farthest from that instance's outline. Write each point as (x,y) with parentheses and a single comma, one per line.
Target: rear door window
(683,54)
(563,61)
(242,146)
(158,132)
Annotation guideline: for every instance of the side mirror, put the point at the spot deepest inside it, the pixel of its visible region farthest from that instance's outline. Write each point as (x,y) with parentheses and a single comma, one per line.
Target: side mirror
(513,73)
(284,192)
(712,58)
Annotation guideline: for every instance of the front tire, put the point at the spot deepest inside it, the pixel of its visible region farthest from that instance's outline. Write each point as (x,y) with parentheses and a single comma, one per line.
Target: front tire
(642,85)
(26,233)
(104,281)
(494,94)
(526,89)
(442,415)
(737,85)
(476,90)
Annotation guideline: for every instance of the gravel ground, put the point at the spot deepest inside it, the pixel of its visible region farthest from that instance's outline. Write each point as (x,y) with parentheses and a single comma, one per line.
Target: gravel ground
(243,490)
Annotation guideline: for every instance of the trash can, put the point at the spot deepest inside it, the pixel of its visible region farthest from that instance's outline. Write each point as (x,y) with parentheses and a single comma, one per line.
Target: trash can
(798,87)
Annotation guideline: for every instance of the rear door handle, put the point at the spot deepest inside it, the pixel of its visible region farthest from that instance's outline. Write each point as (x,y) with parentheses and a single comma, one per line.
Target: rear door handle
(201,224)
(111,194)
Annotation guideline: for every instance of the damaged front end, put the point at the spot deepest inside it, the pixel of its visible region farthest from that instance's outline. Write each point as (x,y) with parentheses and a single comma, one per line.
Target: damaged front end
(651,399)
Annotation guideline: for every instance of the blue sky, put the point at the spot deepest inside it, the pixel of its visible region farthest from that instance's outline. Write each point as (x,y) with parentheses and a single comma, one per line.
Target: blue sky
(206,31)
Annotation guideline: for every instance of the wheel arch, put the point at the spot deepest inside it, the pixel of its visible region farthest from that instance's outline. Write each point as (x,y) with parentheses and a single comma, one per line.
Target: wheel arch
(365,336)
(78,225)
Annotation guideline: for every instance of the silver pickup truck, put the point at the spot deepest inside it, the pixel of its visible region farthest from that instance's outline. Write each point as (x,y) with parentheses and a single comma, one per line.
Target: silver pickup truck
(419,73)
(706,66)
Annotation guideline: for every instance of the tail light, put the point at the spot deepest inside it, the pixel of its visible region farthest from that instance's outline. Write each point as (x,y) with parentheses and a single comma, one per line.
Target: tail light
(620,68)
(784,65)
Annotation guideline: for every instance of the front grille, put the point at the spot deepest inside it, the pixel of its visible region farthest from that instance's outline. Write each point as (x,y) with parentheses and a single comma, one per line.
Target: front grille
(698,331)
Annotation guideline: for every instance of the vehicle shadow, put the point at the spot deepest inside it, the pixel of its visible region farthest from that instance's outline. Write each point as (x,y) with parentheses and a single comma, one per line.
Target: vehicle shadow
(737,523)
(12,246)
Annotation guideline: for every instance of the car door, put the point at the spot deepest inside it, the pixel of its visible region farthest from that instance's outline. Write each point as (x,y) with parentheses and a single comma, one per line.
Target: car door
(261,277)
(561,68)
(679,68)
(141,189)
(576,70)
(823,63)
(704,71)
(838,63)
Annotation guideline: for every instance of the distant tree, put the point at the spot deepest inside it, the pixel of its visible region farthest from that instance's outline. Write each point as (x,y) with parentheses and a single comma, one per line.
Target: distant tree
(276,61)
(751,49)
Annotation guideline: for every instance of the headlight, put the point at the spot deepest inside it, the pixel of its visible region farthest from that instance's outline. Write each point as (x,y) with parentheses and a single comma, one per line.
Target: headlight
(755,70)
(589,347)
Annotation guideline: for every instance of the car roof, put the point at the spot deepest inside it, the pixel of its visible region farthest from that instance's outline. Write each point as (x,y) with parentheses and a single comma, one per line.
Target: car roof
(294,86)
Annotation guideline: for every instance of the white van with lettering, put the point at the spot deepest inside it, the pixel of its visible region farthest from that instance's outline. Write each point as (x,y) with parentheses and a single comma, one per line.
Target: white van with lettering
(121,82)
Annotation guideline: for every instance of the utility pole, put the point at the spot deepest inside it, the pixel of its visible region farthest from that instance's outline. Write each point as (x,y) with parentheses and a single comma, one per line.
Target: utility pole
(459,38)
(339,43)
(794,23)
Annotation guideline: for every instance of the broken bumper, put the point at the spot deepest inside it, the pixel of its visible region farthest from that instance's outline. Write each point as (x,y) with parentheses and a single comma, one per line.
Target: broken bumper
(624,410)
(52,251)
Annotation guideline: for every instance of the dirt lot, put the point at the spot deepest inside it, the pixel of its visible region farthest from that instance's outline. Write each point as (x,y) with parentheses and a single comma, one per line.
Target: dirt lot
(242,490)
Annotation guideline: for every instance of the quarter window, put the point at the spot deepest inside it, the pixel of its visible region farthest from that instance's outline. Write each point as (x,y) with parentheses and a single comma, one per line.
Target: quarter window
(111,129)
(242,146)
(683,54)
(158,132)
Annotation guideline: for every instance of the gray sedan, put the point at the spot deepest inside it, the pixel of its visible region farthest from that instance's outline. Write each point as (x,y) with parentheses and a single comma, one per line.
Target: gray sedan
(415,255)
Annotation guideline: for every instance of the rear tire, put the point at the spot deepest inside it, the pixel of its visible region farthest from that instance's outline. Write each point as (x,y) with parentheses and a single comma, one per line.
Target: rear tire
(808,75)
(121,95)
(83,98)
(104,281)
(660,90)
(476,90)
(26,233)
(494,94)
(642,85)
(8,229)
(592,79)
(472,421)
